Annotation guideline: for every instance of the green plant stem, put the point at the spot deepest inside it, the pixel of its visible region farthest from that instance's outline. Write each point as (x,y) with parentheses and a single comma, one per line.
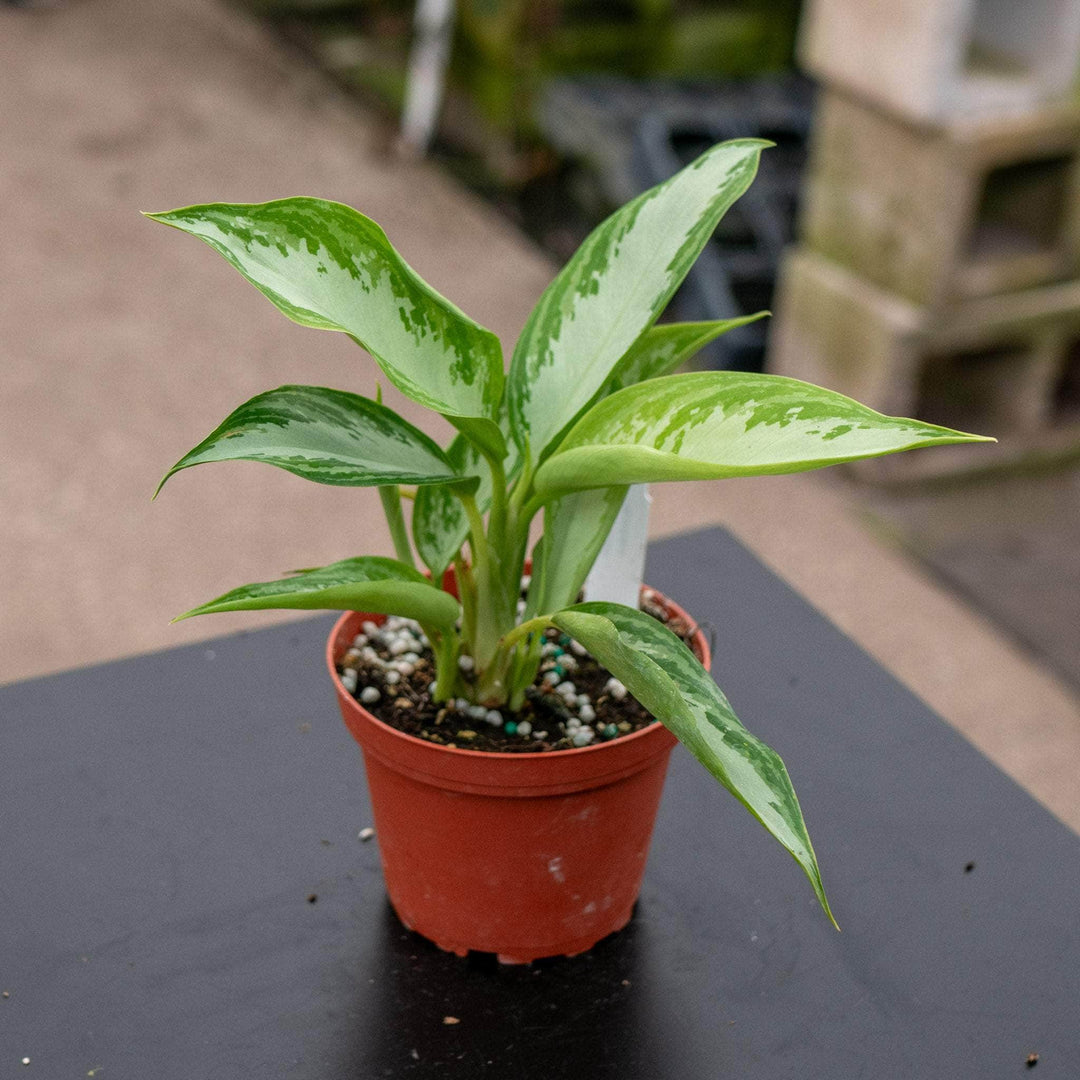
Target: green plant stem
(446,665)
(466,586)
(519,518)
(532,508)
(523,669)
(522,486)
(491,620)
(497,516)
(515,686)
(519,664)
(477,536)
(523,630)
(518,535)
(391,501)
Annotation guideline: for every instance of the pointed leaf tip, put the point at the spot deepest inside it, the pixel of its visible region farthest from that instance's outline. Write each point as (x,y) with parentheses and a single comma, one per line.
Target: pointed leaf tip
(327,266)
(664,347)
(366,583)
(329,437)
(715,424)
(614,287)
(669,681)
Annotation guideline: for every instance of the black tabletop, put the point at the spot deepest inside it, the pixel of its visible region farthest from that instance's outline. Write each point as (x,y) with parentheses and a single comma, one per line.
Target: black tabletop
(184,893)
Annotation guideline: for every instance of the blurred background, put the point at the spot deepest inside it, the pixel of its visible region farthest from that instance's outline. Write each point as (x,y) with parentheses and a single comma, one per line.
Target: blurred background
(915,230)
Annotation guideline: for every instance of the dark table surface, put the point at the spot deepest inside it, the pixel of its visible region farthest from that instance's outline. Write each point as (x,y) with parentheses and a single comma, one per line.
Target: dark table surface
(184,894)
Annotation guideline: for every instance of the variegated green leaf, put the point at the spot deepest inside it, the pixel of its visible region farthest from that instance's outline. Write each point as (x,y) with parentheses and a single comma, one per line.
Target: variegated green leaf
(666,677)
(368,583)
(712,424)
(439,525)
(575,528)
(329,436)
(325,265)
(662,348)
(614,287)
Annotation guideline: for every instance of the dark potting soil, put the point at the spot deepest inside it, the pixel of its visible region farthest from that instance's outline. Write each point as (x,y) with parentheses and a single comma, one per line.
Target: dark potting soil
(551,720)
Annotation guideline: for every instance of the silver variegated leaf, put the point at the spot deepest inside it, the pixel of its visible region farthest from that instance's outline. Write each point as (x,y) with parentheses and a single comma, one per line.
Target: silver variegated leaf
(662,348)
(713,424)
(329,436)
(367,583)
(614,287)
(325,265)
(575,528)
(666,677)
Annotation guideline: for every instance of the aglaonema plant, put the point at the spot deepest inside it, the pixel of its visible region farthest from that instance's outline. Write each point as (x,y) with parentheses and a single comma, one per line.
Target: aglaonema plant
(588,407)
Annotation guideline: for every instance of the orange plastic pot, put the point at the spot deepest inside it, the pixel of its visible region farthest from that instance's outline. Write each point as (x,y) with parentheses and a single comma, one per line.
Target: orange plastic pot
(522,855)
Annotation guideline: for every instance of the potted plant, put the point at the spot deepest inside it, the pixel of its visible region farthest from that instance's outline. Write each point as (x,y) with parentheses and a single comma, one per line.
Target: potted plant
(535,853)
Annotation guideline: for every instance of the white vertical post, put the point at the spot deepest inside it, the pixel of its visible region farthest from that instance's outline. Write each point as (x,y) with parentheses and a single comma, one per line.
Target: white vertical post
(617,574)
(434,21)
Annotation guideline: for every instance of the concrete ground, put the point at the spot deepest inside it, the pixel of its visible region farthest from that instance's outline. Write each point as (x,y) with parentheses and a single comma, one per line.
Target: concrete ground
(122,343)
(1008,543)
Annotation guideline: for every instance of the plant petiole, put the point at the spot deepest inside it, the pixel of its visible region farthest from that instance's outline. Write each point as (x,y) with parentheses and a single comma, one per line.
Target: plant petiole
(390,495)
